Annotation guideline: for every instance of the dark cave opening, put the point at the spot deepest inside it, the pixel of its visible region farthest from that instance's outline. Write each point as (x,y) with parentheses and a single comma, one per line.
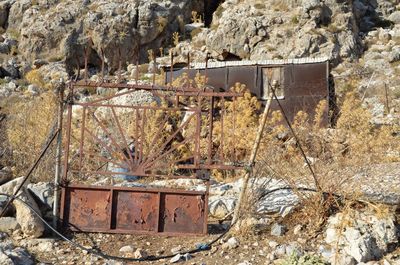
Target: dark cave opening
(210,6)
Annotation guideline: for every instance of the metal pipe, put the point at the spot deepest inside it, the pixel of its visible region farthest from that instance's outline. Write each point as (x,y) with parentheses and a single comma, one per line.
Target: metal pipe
(57,174)
(253,155)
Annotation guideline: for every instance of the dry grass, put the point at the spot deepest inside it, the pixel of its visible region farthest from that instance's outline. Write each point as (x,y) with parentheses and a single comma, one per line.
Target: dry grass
(27,128)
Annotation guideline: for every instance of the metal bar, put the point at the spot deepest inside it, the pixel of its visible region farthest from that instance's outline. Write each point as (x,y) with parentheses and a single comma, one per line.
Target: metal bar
(210,132)
(122,135)
(212,166)
(102,64)
(142,136)
(137,142)
(252,159)
(67,142)
(57,173)
(157,135)
(82,137)
(96,139)
(119,65)
(169,139)
(157,226)
(132,173)
(111,137)
(316,182)
(222,129)
(172,66)
(151,163)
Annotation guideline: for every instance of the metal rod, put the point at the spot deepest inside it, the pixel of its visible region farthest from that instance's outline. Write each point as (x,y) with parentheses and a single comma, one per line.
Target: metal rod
(210,133)
(252,159)
(316,182)
(57,174)
(387,99)
(172,65)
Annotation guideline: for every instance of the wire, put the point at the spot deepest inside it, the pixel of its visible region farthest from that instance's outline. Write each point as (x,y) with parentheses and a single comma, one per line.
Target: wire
(203,247)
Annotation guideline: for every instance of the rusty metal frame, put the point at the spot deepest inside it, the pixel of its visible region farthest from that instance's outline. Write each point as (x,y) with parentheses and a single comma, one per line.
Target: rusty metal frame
(91,208)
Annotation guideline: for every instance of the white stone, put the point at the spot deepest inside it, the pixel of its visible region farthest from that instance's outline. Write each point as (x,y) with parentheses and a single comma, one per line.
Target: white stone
(126,249)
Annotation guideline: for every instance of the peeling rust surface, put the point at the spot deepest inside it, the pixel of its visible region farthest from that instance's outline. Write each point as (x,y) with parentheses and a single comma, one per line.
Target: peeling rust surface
(133,210)
(136,210)
(182,213)
(88,208)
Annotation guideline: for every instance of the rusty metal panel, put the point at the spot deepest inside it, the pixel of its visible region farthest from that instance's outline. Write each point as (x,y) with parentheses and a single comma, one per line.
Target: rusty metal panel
(306,79)
(216,78)
(133,210)
(182,213)
(87,208)
(245,75)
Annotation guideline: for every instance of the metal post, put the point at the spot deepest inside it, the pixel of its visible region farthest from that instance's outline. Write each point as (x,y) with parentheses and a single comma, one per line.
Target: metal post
(253,155)
(57,174)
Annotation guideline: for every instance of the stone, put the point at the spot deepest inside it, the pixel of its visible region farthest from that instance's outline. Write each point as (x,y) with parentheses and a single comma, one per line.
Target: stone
(11,71)
(30,224)
(395,17)
(232,243)
(126,249)
(278,229)
(19,256)
(8,224)
(366,238)
(297,229)
(176,249)
(33,89)
(176,258)
(273,244)
(140,254)
(43,193)
(5,175)
(4,48)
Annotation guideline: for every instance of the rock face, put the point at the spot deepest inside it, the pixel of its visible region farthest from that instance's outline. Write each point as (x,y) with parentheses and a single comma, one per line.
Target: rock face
(364,236)
(63,29)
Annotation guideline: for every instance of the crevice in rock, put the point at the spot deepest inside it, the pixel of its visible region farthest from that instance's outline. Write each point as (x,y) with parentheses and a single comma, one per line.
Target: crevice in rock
(210,6)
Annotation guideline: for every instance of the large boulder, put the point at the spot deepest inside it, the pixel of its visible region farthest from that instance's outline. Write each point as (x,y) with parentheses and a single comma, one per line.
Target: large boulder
(30,224)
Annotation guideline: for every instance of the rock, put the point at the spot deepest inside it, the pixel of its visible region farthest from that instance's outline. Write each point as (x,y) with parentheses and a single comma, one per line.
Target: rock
(395,17)
(20,256)
(176,258)
(232,243)
(5,260)
(4,48)
(5,175)
(11,71)
(30,224)
(297,229)
(278,229)
(140,254)
(126,249)
(293,249)
(43,193)
(273,244)
(365,238)
(8,224)
(220,206)
(176,249)
(33,89)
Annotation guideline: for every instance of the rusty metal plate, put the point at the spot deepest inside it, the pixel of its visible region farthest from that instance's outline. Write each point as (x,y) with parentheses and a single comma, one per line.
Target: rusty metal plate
(136,210)
(89,208)
(133,210)
(182,213)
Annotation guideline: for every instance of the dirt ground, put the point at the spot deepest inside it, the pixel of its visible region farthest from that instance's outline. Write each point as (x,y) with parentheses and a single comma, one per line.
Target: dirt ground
(253,249)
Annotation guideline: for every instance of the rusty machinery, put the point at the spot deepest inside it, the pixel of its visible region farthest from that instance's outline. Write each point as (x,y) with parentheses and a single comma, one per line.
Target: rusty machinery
(107,137)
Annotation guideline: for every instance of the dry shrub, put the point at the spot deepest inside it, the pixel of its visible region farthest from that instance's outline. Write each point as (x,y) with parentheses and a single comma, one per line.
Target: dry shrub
(335,155)
(28,126)
(35,77)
